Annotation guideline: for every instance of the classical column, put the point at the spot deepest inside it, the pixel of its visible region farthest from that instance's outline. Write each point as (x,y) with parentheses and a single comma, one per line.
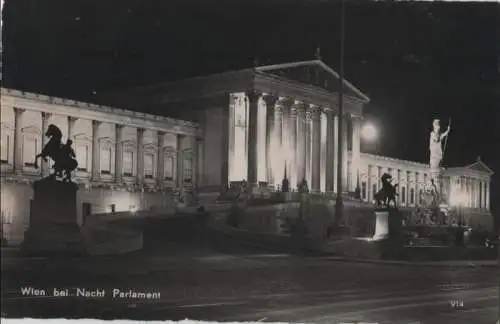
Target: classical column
(277,155)
(95,150)
(301,143)
(180,162)
(45,165)
(336,140)
(369,183)
(71,127)
(316,149)
(140,155)
(160,154)
(345,171)
(483,202)
(478,194)
(487,194)
(118,152)
(330,148)
(410,186)
(199,162)
(308,148)
(270,105)
(278,122)
(253,134)
(18,138)
(475,193)
(294,176)
(468,190)
(356,154)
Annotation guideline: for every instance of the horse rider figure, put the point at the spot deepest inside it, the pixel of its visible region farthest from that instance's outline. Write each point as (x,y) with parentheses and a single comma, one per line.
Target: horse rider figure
(387,193)
(62,155)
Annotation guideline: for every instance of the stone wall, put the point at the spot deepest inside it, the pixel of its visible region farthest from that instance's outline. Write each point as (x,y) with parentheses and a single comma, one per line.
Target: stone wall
(15,202)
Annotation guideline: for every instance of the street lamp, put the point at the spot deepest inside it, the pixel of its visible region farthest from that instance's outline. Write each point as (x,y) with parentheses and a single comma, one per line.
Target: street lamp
(369,133)
(339,208)
(370,137)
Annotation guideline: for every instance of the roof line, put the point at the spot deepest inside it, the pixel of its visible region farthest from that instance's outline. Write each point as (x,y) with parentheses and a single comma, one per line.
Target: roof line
(482,164)
(320,63)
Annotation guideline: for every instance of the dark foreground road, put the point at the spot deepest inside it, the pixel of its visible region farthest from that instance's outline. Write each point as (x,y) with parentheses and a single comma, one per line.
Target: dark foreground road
(225,283)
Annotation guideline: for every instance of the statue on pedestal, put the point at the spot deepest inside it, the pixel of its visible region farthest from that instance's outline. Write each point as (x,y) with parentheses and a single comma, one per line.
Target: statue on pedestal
(432,195)
(63,155)
(388,193)
(435,144)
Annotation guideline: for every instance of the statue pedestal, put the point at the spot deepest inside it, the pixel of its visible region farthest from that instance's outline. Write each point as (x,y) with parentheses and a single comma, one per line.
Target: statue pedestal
(388,223)
(381,224)
(53,225)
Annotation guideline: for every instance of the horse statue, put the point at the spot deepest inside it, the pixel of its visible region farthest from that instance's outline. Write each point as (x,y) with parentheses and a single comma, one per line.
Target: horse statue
(62,155)
(388,193)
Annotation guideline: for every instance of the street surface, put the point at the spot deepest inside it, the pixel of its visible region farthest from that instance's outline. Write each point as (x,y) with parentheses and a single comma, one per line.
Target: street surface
(204,278)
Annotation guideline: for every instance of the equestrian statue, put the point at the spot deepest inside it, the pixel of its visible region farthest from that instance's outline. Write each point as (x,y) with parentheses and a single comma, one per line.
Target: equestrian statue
(388,193)
(63,155)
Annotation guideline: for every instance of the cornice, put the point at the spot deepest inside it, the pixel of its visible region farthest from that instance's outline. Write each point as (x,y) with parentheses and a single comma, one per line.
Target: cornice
(387,159)
(78,109)
(284,87)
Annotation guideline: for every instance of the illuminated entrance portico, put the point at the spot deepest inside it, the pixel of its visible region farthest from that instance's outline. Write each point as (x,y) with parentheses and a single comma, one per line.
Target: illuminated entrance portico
(282,125)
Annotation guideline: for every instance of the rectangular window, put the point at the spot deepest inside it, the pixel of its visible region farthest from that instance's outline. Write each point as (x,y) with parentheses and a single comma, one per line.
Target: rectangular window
(82,152)
(5,149)
(188,170)
(363,190)
(148,166)
(412,196)
(403,195)
(29,151)
(105,161)
(168,167)
(128,163)
(374,190)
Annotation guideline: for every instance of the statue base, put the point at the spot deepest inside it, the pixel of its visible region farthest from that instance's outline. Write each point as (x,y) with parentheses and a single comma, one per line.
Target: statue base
(53,228)
(388,224)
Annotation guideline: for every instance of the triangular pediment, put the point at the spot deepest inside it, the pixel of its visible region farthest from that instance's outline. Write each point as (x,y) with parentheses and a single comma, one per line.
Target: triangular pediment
(480,167)
(315,73)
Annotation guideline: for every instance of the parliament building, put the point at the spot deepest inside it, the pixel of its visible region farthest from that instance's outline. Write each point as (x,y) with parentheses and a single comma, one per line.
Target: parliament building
(255,124)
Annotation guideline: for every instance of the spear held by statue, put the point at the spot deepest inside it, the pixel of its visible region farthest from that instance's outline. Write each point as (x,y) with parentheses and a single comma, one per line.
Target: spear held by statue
(446,140)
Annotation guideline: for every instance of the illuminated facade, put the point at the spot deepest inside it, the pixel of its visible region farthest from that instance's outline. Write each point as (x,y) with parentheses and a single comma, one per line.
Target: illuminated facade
(126,160)
(250,124)
(467,187)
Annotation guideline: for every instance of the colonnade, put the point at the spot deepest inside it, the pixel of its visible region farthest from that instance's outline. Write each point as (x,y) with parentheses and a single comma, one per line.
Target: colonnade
(19,163)
(301,138)
(476,191)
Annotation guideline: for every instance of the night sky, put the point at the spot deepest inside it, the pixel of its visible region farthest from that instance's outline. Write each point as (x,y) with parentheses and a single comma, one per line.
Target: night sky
(415,60)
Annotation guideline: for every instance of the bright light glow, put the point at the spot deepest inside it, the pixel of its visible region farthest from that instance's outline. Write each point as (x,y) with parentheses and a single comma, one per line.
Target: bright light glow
(369,132)
(459,199)
(133,209)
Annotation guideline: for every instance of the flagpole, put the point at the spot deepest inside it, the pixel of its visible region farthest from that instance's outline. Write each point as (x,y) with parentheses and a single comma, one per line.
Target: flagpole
(339,208)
